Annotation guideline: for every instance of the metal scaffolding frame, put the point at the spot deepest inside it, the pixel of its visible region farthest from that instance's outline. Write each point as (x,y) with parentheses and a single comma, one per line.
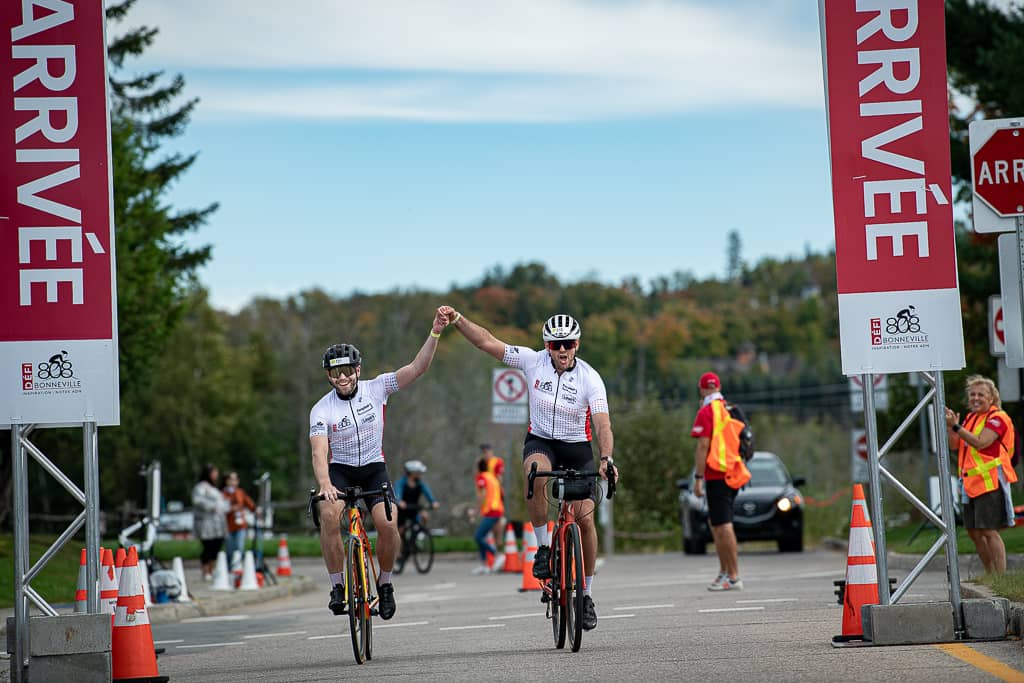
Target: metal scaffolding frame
(21,449)
(936,396)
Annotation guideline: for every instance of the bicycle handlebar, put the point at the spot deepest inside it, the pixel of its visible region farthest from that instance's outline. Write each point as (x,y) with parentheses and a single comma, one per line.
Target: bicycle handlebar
(570,474)
(354,494)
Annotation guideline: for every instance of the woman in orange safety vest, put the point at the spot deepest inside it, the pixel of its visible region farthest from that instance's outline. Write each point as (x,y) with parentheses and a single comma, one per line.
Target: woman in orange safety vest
(984,443)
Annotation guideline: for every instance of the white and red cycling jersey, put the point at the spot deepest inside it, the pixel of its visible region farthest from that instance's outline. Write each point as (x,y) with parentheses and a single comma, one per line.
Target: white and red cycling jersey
(560,405)
(354,427)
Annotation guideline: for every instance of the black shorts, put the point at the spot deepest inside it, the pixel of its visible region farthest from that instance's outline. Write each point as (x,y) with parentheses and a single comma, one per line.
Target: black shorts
(367,477)
(575,455)
(987,511)
(720,497)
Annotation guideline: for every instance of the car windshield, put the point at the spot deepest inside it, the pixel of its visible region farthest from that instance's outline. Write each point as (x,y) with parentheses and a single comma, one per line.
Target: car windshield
(766,473)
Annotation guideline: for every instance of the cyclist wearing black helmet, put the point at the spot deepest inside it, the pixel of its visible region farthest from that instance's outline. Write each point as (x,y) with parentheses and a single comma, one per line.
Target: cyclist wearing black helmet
(346,432)
(568,403)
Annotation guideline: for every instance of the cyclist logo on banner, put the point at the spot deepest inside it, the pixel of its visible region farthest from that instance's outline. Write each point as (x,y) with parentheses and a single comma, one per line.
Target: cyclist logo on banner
(53,376)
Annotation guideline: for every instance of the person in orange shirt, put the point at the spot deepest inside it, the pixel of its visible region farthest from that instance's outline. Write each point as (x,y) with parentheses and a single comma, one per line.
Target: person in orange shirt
(239,501)
(984,442)
(492,509)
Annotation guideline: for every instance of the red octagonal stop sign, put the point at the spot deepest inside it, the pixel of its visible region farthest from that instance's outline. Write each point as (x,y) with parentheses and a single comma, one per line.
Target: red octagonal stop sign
(998,172)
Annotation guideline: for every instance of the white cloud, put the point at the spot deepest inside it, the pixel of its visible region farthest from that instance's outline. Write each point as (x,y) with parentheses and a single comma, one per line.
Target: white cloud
(475,60)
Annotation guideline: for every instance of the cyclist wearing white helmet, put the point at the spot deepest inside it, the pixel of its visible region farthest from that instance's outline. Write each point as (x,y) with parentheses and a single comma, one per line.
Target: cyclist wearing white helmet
(568,404)
(346,433)
(408,490)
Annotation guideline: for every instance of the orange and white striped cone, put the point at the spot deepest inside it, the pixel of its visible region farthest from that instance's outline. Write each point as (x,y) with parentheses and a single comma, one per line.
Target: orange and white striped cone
(108,581)
(284,560)
(133,657)
(82,592)
(119,558)
(513,564)
(861,572)
(530,582)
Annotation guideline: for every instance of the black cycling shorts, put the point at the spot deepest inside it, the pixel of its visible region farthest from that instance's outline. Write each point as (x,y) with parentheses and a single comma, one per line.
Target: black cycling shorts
(575,455)
(720,497)
(367,477)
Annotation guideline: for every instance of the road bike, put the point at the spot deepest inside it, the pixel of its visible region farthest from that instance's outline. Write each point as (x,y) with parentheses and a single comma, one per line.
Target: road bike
(417,542)
(360,568)
(563,592)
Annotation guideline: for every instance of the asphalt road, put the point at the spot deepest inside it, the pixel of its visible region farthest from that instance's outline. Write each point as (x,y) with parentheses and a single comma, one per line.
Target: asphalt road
(656,622)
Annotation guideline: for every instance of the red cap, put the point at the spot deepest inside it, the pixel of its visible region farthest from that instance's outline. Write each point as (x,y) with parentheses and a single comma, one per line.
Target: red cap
(709,380)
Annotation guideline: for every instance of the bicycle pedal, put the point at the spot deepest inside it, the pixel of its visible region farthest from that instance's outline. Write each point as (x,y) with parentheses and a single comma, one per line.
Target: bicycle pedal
(545,598)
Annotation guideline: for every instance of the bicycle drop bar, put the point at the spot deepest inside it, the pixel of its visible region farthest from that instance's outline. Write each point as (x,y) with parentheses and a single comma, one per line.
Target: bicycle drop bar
(354,494)
(570,475)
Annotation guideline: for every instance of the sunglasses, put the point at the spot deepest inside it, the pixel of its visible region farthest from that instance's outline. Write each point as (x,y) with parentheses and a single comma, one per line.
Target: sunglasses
(338,371)
(562,344)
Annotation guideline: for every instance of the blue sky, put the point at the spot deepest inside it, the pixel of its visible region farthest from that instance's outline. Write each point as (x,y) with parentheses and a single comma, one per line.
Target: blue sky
(415,144)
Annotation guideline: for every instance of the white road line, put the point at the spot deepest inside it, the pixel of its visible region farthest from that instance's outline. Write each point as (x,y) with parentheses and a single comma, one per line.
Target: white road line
(516,616)
(338,635)
(192,647)
(731,609)
(748,602)
(469,628)
(275,635)
(616,616)
(442,586)
(229,617)
(407,623)
(305,610)
(168,642)
(623,609)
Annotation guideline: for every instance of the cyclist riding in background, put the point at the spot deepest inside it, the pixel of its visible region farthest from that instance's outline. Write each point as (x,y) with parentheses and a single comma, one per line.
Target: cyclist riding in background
(408,491)
(346,433)
(568,403)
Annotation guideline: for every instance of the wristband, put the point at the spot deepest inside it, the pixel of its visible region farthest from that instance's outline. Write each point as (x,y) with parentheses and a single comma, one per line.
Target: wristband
(458,317)
(607,458)
(698,476)
(956,428)
(435,335)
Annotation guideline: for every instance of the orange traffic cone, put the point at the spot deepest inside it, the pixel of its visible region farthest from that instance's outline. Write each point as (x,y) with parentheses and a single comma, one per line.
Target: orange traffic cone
(512,562)
(119,558)
(861,572)
(284,560)
(530,583)
(82,593)
(131,642)
(108,581)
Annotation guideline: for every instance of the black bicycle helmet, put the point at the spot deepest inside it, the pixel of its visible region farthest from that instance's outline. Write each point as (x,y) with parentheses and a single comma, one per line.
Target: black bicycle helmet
(341,354)
(561,326)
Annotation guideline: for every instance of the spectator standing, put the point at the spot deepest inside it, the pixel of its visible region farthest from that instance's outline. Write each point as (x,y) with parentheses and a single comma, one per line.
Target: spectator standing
(985,447)
(208,508)
(239,501)
(492,509)
(717,462)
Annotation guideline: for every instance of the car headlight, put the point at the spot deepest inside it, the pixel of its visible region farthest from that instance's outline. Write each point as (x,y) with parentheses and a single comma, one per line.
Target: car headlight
(784,504)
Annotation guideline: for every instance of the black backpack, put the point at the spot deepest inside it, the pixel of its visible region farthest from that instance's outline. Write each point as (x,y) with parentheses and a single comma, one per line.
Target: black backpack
(746,434)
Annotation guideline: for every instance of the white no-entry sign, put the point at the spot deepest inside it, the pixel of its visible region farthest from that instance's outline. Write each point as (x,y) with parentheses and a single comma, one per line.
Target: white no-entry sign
(509,401)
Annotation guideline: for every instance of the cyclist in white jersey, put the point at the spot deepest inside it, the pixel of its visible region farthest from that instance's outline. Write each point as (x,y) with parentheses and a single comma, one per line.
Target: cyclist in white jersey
(346,433)
(568,404)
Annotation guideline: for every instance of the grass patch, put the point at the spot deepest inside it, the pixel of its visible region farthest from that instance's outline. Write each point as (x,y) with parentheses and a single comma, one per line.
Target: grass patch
(899,540)
(1009,585)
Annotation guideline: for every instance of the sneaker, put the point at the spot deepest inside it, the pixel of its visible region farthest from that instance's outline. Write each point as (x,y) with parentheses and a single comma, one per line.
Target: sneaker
(387,600)
(499,562)
(727,584)
(338,605)
(481,569)
(722,576)
(589,622)
(542,563)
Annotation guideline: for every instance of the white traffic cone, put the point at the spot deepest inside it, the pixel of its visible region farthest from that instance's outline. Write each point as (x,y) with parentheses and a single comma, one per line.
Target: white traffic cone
(221,578)
(179,570)
(143,574)
(249,582)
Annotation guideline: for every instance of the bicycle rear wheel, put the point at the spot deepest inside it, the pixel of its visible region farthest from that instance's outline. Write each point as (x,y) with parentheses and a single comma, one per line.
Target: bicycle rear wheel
(357,608)
(573,597)
(557,604)
(422,549)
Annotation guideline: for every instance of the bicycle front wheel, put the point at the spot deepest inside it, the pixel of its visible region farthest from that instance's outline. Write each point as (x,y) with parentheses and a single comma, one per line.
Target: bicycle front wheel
(358,606)
(557,604)
(422,550)
(573,581)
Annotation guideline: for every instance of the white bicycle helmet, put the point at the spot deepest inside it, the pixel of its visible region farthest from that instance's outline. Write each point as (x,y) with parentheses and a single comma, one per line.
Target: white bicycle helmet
(561,326)
(415,466)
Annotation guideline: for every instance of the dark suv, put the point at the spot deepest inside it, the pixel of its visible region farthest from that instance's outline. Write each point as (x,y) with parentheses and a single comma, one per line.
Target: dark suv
(768,508)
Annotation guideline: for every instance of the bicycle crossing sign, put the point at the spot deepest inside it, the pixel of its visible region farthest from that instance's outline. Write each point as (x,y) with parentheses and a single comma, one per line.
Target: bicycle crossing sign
(509,397)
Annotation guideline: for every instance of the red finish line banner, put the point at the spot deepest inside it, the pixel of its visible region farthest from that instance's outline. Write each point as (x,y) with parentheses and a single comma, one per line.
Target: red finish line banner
(58,351)
(885,83)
